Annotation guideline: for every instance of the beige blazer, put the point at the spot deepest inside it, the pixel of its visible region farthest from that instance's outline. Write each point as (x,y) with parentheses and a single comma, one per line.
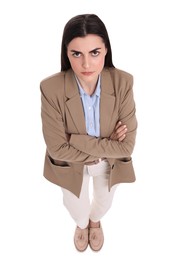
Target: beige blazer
(62,113)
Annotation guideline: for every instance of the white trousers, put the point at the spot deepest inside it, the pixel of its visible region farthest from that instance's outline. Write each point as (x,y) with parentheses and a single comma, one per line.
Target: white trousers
(84,208)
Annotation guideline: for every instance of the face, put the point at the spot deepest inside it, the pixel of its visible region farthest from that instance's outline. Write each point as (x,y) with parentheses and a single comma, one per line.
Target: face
(87,58)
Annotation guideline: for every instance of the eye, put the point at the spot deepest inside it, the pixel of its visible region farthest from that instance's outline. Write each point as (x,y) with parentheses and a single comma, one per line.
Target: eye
(95,53)
(76,54)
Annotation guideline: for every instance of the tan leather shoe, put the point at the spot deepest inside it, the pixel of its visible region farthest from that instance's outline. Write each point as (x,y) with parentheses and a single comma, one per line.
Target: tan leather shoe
(81,239)
(96,238)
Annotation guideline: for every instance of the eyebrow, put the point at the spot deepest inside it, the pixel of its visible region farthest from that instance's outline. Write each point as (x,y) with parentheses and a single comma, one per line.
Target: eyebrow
(96,49)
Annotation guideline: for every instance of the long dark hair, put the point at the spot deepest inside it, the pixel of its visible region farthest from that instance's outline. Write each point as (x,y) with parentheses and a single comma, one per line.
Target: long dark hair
(80,26)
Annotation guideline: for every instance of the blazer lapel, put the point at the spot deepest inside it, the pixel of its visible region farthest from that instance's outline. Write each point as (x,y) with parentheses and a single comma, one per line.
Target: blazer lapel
(73,103)
(107,104)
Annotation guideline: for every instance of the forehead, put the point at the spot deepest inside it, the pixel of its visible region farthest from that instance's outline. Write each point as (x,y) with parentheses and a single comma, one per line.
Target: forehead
(89,42)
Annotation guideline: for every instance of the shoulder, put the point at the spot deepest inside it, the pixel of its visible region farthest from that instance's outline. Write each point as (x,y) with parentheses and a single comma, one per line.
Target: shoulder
(118,80)
(52,83)
(119,75)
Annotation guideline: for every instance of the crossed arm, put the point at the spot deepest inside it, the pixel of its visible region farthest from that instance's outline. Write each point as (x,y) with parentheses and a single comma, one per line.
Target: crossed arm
(84,148)
(118,134)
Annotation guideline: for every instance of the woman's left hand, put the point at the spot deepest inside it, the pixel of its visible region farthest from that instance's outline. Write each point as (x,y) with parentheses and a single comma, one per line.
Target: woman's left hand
(119,132)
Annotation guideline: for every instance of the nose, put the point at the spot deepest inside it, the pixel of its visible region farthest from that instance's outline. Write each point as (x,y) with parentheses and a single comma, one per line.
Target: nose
(86,62)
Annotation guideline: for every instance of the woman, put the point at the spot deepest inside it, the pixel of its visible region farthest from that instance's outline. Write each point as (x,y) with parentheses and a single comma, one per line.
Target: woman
(89,126)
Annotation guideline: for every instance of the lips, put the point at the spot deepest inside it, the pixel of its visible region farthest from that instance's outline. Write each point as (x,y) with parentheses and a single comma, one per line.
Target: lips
(85,73)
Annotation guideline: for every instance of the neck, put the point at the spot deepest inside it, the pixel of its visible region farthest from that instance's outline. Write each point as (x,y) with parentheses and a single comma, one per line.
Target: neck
(89,90)
(89,87)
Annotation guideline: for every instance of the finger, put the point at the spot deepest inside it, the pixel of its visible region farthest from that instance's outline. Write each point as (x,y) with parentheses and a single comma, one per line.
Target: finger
(118,125)
(121,129)
(120,132)
(121,138)
(123,132)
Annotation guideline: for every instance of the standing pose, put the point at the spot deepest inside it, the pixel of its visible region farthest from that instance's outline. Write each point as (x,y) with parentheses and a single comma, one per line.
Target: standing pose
(89,126)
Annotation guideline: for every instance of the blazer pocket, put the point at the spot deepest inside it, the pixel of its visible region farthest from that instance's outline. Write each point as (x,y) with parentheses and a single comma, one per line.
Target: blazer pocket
(58,167)
(125,168)
(125,160)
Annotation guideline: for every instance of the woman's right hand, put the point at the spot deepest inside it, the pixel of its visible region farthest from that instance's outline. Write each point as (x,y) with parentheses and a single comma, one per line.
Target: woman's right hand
(119,132)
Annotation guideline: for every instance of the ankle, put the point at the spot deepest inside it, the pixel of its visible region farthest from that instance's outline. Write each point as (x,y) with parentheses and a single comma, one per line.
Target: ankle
(94,224)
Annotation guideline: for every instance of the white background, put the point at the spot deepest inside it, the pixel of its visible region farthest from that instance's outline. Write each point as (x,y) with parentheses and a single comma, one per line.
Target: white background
(33,222)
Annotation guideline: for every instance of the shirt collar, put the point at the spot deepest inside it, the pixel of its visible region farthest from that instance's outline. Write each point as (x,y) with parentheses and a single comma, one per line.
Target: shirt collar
(96,92)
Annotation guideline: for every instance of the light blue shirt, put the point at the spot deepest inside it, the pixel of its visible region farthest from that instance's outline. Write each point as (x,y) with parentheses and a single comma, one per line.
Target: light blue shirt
(91,106)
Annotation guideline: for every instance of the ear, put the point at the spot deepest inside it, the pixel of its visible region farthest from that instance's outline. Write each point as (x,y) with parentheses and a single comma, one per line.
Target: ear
(106,50)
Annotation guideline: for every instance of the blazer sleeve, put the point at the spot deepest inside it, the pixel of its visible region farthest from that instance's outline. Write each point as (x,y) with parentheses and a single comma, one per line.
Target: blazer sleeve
(54,134)
(105,147)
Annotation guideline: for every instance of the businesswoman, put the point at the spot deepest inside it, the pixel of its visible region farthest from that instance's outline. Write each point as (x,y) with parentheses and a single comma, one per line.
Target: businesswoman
(89,127)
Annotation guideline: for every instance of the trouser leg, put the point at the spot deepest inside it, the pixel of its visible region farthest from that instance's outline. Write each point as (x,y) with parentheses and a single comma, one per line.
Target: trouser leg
(102,197)
(79,208)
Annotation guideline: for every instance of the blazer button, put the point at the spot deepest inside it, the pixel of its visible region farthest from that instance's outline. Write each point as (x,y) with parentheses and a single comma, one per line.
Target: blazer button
(113,166)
